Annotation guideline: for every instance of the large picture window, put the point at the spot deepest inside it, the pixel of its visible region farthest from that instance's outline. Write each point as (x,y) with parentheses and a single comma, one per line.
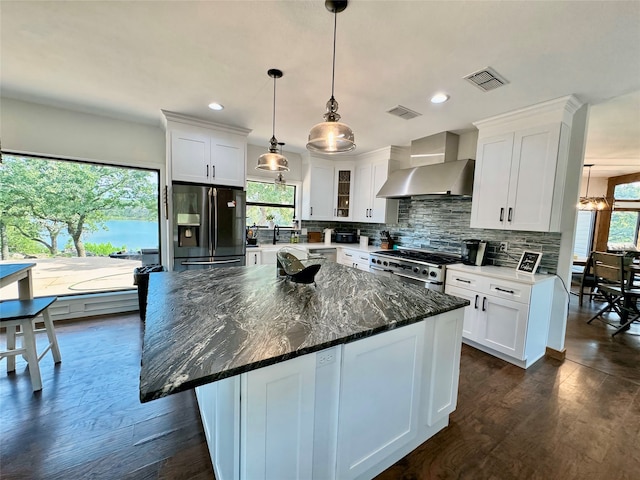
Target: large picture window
(270,202)
(86,226)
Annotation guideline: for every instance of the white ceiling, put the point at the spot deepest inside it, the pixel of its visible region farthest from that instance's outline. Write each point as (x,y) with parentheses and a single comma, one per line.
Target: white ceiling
(129,59)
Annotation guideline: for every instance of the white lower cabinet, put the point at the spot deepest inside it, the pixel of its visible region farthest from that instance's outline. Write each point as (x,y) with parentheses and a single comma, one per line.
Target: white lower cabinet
(253,258)
(353,258)
(509,313)
(346,412)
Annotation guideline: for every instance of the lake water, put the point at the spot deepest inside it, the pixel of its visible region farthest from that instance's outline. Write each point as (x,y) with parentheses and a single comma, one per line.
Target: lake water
(131,234)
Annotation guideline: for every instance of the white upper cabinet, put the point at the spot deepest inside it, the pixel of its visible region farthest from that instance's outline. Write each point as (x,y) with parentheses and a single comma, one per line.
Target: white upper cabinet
(521,166)
(199,152)
(327,190)
(370,176)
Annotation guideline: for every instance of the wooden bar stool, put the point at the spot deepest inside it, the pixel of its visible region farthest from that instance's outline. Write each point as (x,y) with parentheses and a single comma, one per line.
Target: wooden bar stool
(23,313)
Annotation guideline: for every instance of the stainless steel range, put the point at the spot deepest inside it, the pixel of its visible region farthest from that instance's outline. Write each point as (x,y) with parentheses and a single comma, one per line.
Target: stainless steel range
(420,267)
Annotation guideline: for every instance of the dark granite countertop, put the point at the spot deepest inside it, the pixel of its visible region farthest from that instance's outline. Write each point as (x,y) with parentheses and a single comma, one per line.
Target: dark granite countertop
(206,325)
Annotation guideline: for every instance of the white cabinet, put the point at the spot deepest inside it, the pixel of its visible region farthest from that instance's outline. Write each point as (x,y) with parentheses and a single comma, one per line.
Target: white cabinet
(253,258)
(370,176)
(353,258)
(520,170)
(206,153)
(387,368)
(277,419)
(346,412)
(327,190)
(509,313)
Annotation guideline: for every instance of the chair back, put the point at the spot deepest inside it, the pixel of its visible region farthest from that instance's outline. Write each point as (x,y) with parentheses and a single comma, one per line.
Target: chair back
(608,268)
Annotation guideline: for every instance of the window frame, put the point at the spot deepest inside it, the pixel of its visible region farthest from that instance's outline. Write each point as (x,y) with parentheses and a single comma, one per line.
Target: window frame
(296,197)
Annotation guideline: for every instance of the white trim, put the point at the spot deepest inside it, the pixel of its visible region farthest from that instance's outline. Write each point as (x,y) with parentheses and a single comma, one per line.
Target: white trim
(89,305)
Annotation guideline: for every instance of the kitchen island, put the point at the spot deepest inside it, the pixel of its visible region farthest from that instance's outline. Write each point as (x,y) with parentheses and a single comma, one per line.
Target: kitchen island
(304,381)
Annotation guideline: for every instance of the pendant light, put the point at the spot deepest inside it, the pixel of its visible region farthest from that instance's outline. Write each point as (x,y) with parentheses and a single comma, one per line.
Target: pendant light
(592,203)
(273,160)
(331,136)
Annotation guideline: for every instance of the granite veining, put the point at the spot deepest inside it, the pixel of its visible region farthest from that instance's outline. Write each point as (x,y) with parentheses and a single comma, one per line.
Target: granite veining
(206,325)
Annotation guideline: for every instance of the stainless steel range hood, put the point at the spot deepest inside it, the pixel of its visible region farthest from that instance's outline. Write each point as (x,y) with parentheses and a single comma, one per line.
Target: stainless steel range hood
(435,170)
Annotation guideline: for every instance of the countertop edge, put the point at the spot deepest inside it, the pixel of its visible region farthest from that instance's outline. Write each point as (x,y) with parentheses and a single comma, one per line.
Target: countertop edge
(190,384)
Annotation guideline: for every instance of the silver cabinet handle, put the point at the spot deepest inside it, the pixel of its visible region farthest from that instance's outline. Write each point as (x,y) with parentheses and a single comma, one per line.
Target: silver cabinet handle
(484,304)
(502,214)
(476,303)
(510,214)
(207,171)
(310,211)
(463,280)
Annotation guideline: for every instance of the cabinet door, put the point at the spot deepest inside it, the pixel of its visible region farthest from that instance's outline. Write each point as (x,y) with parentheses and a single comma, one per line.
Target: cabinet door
(535,154)
(469,324)
(277,420)
(388,369)
(502,325)
(379,174)
(343,193)
(228,161)
(362,193)
(253,258)
(321,192)
(190,152)
(491,182)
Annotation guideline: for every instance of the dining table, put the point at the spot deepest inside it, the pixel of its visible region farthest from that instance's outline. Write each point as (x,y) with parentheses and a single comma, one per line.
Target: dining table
(21,273)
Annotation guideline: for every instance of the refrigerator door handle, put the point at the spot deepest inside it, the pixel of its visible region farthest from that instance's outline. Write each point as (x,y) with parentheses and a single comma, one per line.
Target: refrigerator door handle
(215,217)
(218,262)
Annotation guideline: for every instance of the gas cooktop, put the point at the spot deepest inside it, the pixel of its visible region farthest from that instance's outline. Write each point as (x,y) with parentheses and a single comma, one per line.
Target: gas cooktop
(436,258)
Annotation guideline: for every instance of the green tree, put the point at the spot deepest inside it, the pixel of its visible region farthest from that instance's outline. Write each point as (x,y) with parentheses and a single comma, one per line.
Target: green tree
(38,195)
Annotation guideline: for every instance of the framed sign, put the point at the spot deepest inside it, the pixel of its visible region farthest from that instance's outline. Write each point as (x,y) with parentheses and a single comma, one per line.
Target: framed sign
(529,262)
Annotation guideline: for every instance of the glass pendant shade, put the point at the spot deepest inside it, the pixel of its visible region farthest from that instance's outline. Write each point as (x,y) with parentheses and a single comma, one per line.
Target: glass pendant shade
(331,137)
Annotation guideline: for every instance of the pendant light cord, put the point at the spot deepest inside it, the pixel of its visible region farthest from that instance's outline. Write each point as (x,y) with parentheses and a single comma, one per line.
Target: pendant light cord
(333,72)
(588,179)
(273,125)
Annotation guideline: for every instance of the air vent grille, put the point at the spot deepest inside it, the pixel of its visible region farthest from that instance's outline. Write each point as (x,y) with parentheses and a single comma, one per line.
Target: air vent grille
(403,112)
(486,79)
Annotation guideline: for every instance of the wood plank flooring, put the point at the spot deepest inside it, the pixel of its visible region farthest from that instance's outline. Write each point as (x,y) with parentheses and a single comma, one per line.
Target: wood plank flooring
(577,419)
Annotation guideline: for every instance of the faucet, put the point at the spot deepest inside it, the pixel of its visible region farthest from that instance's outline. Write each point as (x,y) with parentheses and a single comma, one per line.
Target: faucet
(276,233)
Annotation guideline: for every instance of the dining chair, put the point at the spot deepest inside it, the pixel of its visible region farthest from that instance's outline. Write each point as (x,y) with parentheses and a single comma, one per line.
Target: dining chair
(23,314)
(615,283)
(587,281)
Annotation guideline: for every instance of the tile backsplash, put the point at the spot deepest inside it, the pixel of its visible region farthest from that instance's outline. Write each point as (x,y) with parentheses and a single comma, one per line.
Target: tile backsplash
(442,224)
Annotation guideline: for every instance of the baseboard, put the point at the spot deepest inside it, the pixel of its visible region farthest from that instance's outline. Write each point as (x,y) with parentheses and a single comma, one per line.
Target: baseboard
(556,354)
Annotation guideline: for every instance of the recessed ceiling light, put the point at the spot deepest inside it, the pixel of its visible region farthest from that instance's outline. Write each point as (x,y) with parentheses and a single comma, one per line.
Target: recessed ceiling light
(439,98)
(216,106)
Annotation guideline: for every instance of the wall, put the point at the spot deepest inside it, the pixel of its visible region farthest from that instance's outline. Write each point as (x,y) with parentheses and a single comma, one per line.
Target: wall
(44,130)
(442,225)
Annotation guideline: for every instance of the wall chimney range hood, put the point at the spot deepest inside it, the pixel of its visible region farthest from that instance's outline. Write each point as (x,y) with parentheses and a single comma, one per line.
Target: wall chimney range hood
(434,170)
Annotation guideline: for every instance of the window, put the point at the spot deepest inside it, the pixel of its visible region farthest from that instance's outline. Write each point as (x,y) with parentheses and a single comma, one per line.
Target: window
(86,226)
(268,199)
(584,233)
(625,218)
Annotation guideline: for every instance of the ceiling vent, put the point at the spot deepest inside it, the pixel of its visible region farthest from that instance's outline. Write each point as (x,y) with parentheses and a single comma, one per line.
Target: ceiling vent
(403,112)
(486,79)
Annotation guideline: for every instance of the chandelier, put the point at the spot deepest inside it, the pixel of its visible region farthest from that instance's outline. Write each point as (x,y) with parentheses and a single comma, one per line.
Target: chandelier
(592,203)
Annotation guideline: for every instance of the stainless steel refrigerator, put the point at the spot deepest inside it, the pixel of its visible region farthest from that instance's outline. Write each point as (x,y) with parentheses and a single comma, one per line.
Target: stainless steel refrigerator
(208,227)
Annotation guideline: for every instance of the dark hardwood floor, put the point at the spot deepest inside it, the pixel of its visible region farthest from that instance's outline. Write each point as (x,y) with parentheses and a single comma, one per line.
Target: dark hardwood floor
(577,419)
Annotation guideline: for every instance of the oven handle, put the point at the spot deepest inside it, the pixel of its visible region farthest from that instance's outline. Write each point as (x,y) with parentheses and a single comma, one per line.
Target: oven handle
(380,269)
(431,282)
(210,263)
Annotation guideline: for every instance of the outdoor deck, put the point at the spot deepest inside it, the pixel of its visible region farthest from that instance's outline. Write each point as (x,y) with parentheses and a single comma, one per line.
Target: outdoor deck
(72,276)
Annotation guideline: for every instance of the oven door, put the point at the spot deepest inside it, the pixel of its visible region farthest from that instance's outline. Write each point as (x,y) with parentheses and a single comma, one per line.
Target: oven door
(437,286)
(380,271)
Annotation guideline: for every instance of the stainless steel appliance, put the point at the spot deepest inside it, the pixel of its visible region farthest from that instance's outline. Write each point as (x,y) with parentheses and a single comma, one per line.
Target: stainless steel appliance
(474,252)
(345,237)
(208,227)
(420,267)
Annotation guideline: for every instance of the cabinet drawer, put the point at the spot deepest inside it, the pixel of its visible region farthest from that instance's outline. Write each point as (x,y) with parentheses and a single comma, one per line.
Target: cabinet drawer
(517,292)
(470,281)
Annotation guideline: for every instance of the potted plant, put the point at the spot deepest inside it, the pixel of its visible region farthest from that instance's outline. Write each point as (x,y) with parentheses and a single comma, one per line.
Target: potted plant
(270,219)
